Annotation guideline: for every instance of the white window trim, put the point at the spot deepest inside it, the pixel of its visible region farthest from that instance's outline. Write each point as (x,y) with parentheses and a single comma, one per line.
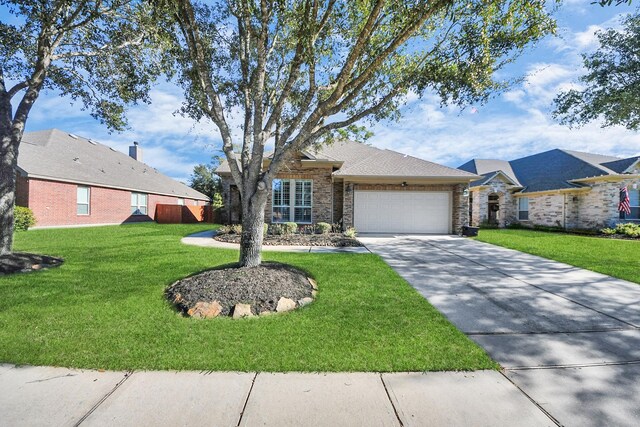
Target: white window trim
(521,211)
(634,206)
(88,204)
(292,200)
(137,211)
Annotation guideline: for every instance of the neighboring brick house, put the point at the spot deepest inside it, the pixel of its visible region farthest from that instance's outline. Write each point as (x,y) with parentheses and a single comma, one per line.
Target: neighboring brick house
(562,188)
(359,185)
(67,180)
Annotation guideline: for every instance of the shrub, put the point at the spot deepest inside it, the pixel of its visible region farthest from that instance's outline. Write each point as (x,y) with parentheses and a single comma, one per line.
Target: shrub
(235,229)
(290,227)
(608,231)
(23,218)
(275,229)
(265,230)
(224,229)
(350,233)
(307,229)
(628,229)
(323,228)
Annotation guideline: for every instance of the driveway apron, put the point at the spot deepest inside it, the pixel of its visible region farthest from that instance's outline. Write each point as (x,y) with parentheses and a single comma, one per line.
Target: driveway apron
(567,337)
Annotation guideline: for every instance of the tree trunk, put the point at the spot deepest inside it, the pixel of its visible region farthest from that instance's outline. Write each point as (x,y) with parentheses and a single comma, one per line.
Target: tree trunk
(253,227)
(8,163)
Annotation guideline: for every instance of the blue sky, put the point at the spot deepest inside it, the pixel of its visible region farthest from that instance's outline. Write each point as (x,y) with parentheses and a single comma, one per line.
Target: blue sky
(513,124)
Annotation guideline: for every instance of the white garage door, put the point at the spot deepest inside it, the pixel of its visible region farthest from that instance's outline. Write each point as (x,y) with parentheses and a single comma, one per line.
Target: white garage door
(402,211)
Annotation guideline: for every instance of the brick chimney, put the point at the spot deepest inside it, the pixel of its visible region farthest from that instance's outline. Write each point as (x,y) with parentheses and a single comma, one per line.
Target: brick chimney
(135,151)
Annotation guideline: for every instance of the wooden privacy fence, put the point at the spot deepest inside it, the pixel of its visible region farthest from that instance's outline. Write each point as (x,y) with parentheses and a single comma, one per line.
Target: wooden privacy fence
(178,214)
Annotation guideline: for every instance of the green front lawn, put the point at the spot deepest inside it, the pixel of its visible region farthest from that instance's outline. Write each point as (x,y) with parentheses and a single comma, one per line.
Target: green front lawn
(617,258)
(104,308)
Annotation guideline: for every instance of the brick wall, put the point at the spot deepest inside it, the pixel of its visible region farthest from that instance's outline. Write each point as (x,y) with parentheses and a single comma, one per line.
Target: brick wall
(322,188)
(55,204)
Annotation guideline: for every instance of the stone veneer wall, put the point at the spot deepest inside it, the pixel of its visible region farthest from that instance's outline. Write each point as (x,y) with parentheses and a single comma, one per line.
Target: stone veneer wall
(599,207)
(322,187)
(508,212)
(594,209)
(547,210)
(460,203)
(338,198)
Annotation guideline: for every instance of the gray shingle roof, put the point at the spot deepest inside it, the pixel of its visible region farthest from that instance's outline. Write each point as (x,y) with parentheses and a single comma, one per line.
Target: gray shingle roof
(57,155)
(487,168)
(367,161)
(619,166)
(553,169)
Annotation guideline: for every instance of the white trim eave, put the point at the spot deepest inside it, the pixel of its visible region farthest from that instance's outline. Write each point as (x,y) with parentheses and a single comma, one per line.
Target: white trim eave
(116,187)
(557,191)
(384,179)
(607,178)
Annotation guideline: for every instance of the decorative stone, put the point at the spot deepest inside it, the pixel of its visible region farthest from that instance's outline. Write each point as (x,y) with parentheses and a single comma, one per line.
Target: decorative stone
(285,304)
(242,310)
(305,301)
(314,293)
(314,284)
(205,310)
(36,267)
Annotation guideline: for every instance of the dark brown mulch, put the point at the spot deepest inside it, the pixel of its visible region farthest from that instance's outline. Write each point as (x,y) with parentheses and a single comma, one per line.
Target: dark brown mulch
(261,287)
(21,262)
(333,239)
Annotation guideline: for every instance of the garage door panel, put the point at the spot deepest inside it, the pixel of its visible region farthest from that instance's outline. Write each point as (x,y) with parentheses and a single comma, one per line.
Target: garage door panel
(402,211)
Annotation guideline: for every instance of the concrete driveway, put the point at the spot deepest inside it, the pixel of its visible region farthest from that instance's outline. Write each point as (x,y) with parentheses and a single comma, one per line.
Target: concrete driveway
(567,337)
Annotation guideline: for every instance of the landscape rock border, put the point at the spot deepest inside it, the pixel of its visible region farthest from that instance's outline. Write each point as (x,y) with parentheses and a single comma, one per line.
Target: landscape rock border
(240,292)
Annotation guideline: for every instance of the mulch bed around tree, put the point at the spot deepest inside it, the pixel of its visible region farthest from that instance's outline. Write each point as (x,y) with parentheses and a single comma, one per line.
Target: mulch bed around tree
(20,262)
(261,287)
(333,239)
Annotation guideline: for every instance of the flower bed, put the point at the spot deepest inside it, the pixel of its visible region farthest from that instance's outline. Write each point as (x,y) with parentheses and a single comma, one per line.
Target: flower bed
(289,234)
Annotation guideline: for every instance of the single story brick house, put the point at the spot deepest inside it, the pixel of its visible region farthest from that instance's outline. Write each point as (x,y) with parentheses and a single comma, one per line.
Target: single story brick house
(361,186)
(67,180)
(563,188)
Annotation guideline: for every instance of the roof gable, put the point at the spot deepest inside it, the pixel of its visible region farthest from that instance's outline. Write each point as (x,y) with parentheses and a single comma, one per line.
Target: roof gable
(57,155)
(552,170)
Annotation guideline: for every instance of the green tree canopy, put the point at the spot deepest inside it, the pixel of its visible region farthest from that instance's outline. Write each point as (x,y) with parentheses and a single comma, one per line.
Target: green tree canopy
(100,52)
(301,73)
(205,180)
(611,87)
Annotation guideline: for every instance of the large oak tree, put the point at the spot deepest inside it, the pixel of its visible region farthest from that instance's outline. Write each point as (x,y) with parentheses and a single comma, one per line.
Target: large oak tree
(297,73)
(611,87)
(100,52)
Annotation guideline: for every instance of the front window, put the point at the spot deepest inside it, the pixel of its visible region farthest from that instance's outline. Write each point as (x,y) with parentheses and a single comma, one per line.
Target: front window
(292,200)
(523,208)
(138,204)
(82,202)
(634,202)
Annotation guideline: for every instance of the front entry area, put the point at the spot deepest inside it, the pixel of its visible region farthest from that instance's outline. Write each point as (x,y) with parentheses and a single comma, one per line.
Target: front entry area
(426,212)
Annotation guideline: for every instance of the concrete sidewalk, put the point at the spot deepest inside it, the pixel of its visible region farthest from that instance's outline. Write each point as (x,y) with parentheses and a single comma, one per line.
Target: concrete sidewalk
(44,396)
(205,239)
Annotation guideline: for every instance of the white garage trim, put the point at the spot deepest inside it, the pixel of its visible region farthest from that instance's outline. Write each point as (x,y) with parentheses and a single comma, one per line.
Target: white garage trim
(426,212)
